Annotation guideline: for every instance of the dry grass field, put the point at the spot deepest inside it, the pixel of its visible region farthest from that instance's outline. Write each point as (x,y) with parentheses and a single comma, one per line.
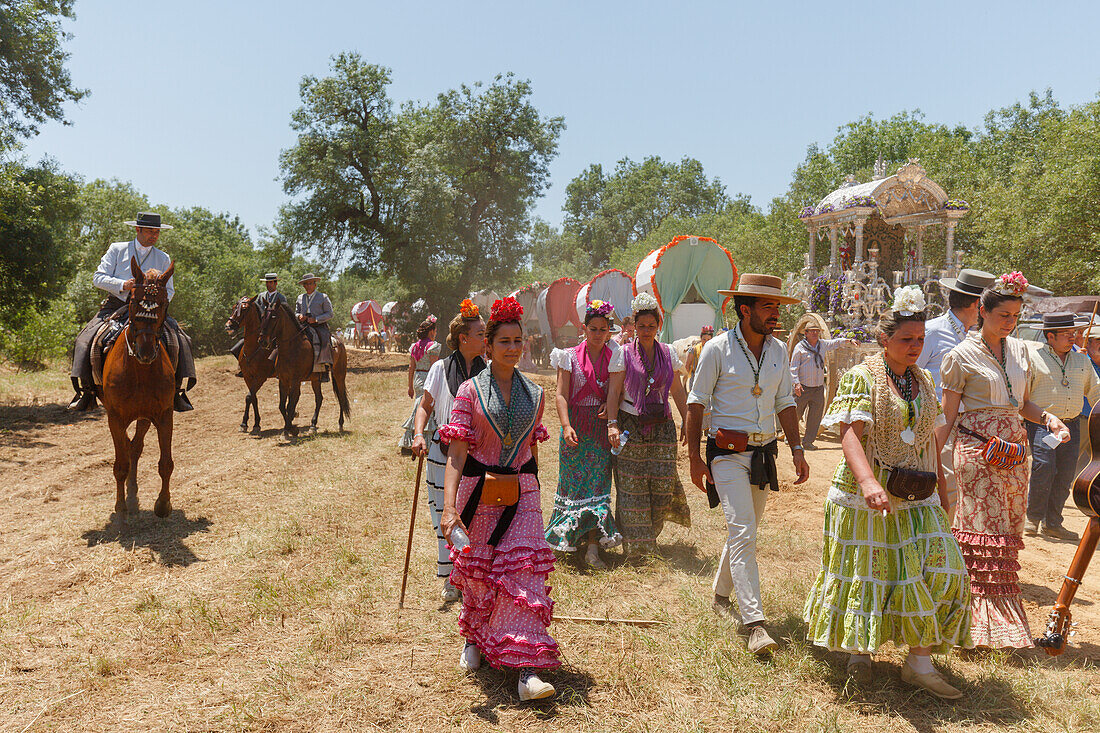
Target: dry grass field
(267,601)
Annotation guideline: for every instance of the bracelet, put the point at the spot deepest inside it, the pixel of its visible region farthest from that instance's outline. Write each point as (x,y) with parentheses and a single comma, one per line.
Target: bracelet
(612,423)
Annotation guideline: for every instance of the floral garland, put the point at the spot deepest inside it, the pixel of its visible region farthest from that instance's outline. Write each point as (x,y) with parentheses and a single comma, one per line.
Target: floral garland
(806,212)
(1010,283)
(861,334)
(854,201)
(506,310)
(956,205)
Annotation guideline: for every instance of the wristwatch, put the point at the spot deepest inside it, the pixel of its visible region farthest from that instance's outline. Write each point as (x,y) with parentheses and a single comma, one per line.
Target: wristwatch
(797,447)
(612,423)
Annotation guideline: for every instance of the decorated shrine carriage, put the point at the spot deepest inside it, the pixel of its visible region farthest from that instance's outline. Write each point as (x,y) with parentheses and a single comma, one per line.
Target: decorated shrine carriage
(611,286)
(877,234)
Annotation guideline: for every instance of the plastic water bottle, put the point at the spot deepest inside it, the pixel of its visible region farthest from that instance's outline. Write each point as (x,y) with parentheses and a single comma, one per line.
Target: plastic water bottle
(622,441)
(460,541)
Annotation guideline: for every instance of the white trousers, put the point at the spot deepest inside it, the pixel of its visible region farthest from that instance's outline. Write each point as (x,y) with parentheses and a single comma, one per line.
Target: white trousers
(437,466)
(738,574)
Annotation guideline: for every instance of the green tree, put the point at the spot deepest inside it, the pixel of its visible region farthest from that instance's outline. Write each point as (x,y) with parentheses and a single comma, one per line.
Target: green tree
(34,83)
(37,208)
(437,195)
(607,213)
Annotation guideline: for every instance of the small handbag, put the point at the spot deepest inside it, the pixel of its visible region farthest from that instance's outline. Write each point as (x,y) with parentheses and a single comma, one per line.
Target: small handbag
(500,489)
(998,452)
(909,484)
(734,440)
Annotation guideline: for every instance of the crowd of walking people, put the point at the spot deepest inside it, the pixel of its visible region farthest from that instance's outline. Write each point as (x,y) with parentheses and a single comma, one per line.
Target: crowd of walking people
(925,513)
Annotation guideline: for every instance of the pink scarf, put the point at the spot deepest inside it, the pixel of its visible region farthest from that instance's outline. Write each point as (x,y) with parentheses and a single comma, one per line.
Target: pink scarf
(417,350)
(592,372)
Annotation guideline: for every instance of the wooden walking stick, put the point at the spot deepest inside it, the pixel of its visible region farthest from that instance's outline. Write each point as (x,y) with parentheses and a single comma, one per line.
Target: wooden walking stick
(412,525)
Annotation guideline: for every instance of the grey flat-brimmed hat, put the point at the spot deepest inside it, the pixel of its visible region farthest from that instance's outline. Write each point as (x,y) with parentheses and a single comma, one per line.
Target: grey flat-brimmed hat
(1061,321)
(270,276)
(969,282)
(307,277)
(147,220)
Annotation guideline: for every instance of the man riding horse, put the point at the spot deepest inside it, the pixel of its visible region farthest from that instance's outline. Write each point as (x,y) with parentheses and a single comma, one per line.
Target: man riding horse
(314,309)
(263,301)
(113,276)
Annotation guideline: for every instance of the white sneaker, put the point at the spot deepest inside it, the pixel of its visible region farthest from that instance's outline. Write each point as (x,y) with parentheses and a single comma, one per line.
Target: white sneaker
(470,658)
(531,687)
(450,593)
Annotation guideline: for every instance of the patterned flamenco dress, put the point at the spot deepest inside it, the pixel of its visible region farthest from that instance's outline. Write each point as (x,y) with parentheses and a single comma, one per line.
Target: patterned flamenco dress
(506,606)
(583,501)
(989,520)
(897,578)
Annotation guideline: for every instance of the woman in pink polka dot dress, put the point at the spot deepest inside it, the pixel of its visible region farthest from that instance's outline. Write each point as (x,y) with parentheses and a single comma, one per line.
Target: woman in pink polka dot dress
(495,427)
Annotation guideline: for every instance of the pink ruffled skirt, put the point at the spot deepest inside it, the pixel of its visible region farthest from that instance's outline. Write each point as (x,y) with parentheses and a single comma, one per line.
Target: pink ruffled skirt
(506,606)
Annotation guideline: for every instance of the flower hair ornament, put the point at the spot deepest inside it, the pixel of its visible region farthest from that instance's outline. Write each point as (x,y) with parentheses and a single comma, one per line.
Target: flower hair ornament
(706,330)
(506,310)
(1011,283)
(431,319)
(599,308)
(644,302)
(908,300)
(469,310)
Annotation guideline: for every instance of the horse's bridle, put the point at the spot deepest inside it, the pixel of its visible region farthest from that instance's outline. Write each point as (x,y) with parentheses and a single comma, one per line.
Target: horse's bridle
(146,315)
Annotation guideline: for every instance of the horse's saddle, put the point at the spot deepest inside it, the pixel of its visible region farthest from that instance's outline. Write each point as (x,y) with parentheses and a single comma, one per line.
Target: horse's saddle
(108,334)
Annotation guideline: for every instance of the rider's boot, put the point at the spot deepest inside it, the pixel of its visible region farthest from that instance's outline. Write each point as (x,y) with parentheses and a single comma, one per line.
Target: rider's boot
(181,403)
(84,399)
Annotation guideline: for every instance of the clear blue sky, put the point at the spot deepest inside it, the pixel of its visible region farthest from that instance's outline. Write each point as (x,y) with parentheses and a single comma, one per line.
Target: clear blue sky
(191,100)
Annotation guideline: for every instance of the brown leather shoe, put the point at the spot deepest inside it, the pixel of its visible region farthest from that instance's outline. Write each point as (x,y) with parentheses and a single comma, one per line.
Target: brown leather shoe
(760,642)
(933,683)
(1059,532)
(1031,529)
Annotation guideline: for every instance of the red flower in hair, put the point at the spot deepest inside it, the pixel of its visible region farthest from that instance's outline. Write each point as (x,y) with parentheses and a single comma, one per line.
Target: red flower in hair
(506,310)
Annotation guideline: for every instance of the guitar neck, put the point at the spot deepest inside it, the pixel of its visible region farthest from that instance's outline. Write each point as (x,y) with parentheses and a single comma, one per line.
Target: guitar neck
(1080,564)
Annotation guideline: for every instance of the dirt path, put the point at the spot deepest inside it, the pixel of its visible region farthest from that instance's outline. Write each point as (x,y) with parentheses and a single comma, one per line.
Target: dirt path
(267,600)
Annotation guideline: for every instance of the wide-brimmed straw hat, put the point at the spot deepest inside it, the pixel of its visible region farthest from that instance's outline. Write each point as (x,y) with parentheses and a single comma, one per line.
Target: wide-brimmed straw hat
(969,282)
(147,220)
(1061,321)
(307,277)
(754,285)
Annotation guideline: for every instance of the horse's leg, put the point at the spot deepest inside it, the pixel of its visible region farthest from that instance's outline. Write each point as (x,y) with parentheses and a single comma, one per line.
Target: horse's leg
(163,507)
(318,398)
(288,399)
(256,412)
(137,444)
(121,467)
(247,402)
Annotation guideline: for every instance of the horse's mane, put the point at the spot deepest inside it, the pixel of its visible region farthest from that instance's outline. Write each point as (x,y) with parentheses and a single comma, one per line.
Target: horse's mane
(153,273)
(286,307)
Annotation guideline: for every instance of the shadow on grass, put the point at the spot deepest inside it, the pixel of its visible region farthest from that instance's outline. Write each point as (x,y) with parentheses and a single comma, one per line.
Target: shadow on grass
(18,423)
(499,686)
(989,699)
(1045,596)
(687,559)
(164,537)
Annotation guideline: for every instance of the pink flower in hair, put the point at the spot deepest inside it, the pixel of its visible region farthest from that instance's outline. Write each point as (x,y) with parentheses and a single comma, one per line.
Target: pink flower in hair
(1010,283)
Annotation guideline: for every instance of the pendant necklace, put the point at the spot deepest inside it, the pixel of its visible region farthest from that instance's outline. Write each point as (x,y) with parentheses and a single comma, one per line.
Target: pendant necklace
(754,364)
(1062,366)
(648,369)
(1004,370)
(905,389)
(506,440)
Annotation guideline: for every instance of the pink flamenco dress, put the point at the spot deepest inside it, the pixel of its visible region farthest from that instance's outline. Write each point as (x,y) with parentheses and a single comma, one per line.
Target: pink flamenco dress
(506,606)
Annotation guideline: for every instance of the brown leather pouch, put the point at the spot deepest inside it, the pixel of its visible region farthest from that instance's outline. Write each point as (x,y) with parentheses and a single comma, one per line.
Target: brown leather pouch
(500,489)
(732,440)
(910,485)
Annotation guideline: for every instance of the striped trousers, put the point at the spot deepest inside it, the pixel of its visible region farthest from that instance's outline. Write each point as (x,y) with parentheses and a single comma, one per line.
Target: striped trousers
(437,462)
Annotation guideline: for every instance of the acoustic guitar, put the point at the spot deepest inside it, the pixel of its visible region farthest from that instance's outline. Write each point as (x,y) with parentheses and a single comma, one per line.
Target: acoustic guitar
(1086,495)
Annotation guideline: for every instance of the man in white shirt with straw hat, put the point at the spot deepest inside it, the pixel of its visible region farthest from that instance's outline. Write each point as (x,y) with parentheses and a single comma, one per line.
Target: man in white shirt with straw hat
(744,378)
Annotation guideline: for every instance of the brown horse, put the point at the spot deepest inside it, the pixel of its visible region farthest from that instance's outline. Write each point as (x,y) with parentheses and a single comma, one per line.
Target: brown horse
(139,383)
(294,364)
(255,365)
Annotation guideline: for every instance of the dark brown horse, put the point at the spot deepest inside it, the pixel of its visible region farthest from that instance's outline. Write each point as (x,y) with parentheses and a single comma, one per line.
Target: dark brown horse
(139,383)
(255,365)
(294,365)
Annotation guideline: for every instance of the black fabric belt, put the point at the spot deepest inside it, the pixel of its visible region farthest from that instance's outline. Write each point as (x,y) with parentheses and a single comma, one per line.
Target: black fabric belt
(474,467)
(762,471)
